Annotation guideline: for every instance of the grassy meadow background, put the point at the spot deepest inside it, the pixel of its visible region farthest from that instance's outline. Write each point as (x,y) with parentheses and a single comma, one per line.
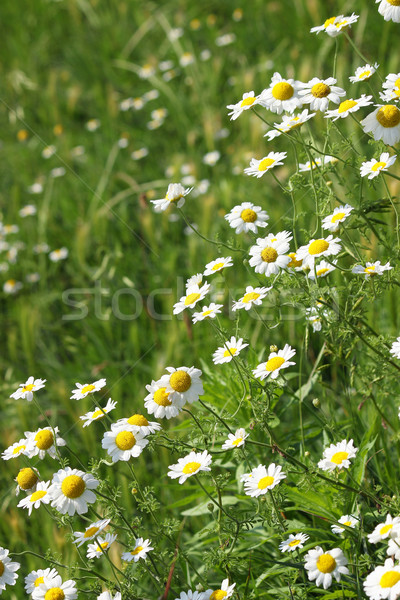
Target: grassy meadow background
(65,63)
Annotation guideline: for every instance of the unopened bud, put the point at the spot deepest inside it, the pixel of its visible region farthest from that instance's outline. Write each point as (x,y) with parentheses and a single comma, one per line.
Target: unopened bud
(316,402)
(306,453)
(273,348)
(133,491)
(210,506)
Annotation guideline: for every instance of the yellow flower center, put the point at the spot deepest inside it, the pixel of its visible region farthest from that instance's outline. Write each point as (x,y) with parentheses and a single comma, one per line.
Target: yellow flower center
(294,543)
(26,478)
(54,593)
(269,255)
(294,262)
(326,563)
(397,82)
(339,457)
(98,414)
(1,568)
(348,523)
(73,486)
(394,2)
(138,420)
(217,266)
(282,90)
(38,581)
(22,135)
(248,215)
(390,578)
(191,298)
(370,270)
(161,397)
(250,296)
(90,532)
(378,166)
(318,246)
(247,101)
(28,388)
(365,75)
(265,482)
(274,363)
(206,313)
(174,199)
(385,528)
(44,439)
(137,550)
(388,116)
(18,449)
(125,440)
(102,546)
(265,163)
(337,217)
(87,388)
(218,595)
(329,21)
(320,90)
(191,467)
(237,441)
(180,381)
(346,105)
(37,495)
(230,352)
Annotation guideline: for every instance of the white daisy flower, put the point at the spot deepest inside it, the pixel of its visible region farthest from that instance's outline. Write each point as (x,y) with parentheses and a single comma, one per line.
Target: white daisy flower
(190,595)
(217,265)
(100,546)
(252,297)
(142,547)
(288,123)
(34,500)
(211,158)
(276,361)
(390,528)
(294,542)
(257,168)
(190,465)
(317,162)
(15,450)
(231,348)
(139,424)
(384,124)
(235,440)
(27,211)
(348,106)
(321,270)
(92,125)
(90,532)
(383,582)
(392,82)
(43,441)
(269,255)
(313,316)
(393,548)
(390,10)
(35,578)
(322,566)
(210,312)
(317,248)
(8,570)
(122,444)
(194,280)
(108,596)
(335,25)
(373,167)
(58,254)
(337,456)
(161,403)
(340,214)
(55,588)
(388,95)
(248,100)
(82,390)
(194,293)
(281,95)
(363,73)
(99,413)
(71,491)
(183,383)
(247,217)
(348,520)
(318,92)
(175,195)
(26,389)
(223,593)
(263,479)
(395,349)
(26,479)
(371,269)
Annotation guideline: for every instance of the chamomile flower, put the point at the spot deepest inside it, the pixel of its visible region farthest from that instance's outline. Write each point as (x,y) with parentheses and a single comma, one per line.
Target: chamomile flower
(43,441)
(384,124)
(390,528)
(371,269)
(108,596)
(258,168)
(263,479)
(11,286)
(71,491)
(142,547)
(294,542)
(190,595)
(26,389)
(224,592)
(27,211)
(247,217)
(35,578)
(194,280)
(211,158)
(248,100)
(36,498)
(348,106)
(99,413)
(392,82)
(269,255)
(340,214)
(58,254)
(139,423)
(389,95)
(235,440)
(317,248)
(322,566)
(217,265)
(393,548)
(100,546)
(82,390)
(321,270)
(190,465)
(390,10)
(54,587)
(383,582)
(337,456)
(373,167)
(183,384)
(395,349)
(90,532)
(313,316)
(281,95)
(27,480)
(316,163)
(161,403)
(348,520)
(276,361)
(252,297)
(15,450)
(207,312)
(319,92)
(122,444)
(230,349)
(175,195)
(335,25)
(288,123)
(8,570)
(194,293)
(363,73)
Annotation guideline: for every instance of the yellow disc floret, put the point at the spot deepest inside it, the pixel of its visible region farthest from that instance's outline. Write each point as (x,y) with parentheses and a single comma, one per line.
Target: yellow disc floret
(378,166)
(190,468)
(217,266)
(250,296)
(282,90)
(337,217)
(73,486)
(248,215)
(294,543)
(191,298)
(218,595)
(388,116)
(27,478)
(386,528)
(90,532)
(180,381)
(28,388)
(161,397)
(265,482)
(247,101)
(389,579)
(38,581)
(125,440)
(269,255)
(87,388)
(1,568)
(54,593)
(326,563)
(138,420)
(274,363)
(339,457)
(44,439)
(230,352)
(320,90)
(37,495)
(346,105)
(265,163)
(318,246)
(137,550)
